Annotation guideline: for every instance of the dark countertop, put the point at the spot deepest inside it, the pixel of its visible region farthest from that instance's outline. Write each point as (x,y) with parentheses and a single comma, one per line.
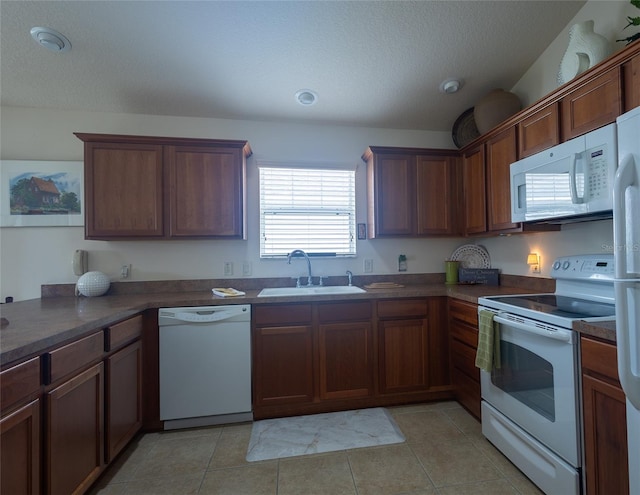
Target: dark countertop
(38,325)
(605,330)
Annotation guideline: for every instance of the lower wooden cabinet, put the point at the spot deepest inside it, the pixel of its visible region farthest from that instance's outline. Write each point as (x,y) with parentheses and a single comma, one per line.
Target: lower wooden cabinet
(325,356)
(124,398)
(403,345)
(21,450)
(605,420)
(463,335)
(75,432)
(345,361)
(283,365)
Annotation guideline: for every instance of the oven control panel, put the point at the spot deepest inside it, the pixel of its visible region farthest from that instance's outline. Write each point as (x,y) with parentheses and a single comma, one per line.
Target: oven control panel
(585,266)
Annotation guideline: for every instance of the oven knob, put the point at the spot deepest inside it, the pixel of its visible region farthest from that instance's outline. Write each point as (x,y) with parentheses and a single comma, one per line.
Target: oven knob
(556,265)
(565,265)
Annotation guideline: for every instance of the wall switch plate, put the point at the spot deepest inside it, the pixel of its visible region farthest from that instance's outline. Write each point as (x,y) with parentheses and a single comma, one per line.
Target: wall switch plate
(368,265)
(228,268)
(125,271)
(246,268)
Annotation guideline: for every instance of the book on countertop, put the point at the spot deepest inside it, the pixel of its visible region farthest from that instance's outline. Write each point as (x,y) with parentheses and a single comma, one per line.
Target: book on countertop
(228,292)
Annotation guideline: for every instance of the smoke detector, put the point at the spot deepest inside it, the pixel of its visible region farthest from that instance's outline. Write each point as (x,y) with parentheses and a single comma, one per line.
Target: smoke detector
(51,39)
(450,86)
(306,97)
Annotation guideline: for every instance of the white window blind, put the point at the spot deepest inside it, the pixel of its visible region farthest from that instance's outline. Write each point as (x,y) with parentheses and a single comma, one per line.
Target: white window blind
(309,209)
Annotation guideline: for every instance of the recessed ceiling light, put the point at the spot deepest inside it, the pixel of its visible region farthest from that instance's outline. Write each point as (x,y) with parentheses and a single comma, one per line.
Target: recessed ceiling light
(51,39)
(451,85)
(306,97)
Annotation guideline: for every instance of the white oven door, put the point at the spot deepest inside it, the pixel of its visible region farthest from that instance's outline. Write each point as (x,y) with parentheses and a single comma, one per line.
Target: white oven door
(536,384)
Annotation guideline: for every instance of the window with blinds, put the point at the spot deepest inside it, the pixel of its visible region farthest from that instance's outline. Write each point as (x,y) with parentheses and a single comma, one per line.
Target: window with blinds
(309,209)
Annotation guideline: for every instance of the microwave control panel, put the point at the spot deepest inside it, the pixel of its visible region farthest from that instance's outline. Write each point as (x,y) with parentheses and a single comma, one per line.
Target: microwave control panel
(598,178)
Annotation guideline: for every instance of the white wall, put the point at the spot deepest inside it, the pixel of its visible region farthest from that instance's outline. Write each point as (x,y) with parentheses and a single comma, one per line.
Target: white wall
(609,20)
(33,256)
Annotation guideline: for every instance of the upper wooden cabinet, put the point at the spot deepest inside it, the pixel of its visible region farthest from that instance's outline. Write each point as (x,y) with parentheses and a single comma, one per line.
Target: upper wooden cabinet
(631,83)
(473,189)
(539,131)
(156,187)
(596,103)
(411,191)
(501,152)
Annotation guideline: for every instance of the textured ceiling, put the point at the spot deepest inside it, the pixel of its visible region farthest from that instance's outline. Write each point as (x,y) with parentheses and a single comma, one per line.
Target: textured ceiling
(373,64)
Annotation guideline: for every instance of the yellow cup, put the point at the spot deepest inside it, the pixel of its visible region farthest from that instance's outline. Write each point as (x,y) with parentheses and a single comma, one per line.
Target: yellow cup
(451,272)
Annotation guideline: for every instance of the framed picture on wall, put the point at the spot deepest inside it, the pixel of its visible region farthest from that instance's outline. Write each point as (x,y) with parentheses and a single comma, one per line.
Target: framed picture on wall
(41,193)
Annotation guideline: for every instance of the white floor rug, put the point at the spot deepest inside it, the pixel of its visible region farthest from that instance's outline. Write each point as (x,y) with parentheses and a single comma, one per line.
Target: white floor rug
(299,435)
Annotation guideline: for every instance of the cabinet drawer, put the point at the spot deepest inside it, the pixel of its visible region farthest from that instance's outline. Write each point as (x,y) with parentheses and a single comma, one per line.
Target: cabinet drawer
(123,332)
(280,314)
(464,333)
(401,308)
(467,392)
(351,311)
(467,312)
(599,357)
(19,382)
(463,358)
(74,356)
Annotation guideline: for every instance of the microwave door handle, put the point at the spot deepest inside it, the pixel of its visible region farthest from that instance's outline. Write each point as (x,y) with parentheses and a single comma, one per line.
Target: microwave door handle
(556,334)
(575,199)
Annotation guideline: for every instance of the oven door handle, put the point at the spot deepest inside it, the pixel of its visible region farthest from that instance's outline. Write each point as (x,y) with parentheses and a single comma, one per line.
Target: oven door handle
(550,332)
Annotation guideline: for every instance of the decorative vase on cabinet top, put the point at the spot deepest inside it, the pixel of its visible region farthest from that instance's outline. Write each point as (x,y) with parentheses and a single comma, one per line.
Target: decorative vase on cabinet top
(586,48)
(495,108)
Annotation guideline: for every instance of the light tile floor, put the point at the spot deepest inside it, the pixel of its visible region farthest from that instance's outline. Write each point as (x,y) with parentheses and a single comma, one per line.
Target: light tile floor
(445,454)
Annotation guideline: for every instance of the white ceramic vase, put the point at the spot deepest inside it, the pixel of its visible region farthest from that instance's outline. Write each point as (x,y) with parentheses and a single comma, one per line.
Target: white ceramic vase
(93,284)
(586,48)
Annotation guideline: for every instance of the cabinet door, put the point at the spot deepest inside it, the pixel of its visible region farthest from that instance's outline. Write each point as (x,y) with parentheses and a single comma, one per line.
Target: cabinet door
(283,365)
(473,181)
(124,398)
(75,437)
(539,131)
(597,103)
(123,190)
(403,355)
(631,81)
(501,153)
(605,437)
(207,191)
(21,450)
(394,197)
(345,360)
(436,195)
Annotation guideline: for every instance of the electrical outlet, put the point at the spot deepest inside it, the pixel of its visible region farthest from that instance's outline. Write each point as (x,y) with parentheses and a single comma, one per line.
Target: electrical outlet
(125,271)
(368,265)
(246,269)
(228,268)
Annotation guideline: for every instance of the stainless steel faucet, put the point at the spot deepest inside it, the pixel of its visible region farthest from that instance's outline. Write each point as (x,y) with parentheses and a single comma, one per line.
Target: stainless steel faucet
(300,251)
(349,274)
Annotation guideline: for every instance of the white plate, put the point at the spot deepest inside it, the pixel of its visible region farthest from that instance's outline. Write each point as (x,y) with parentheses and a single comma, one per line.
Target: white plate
(471,256)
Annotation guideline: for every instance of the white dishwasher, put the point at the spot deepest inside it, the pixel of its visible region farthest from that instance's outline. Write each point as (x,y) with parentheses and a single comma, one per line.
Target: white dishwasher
(205,365)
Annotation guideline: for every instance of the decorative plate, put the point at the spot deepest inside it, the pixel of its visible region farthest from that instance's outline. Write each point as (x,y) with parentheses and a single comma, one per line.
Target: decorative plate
(464,129)
(471,256)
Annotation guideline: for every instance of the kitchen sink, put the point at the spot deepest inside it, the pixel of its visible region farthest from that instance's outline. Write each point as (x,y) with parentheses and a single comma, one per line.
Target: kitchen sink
(310,291)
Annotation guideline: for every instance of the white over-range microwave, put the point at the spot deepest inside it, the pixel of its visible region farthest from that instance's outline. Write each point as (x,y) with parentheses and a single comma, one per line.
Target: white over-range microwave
(570,182)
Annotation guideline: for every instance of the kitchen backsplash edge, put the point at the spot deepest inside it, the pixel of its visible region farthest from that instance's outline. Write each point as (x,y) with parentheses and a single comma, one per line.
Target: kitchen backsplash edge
(164,286)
